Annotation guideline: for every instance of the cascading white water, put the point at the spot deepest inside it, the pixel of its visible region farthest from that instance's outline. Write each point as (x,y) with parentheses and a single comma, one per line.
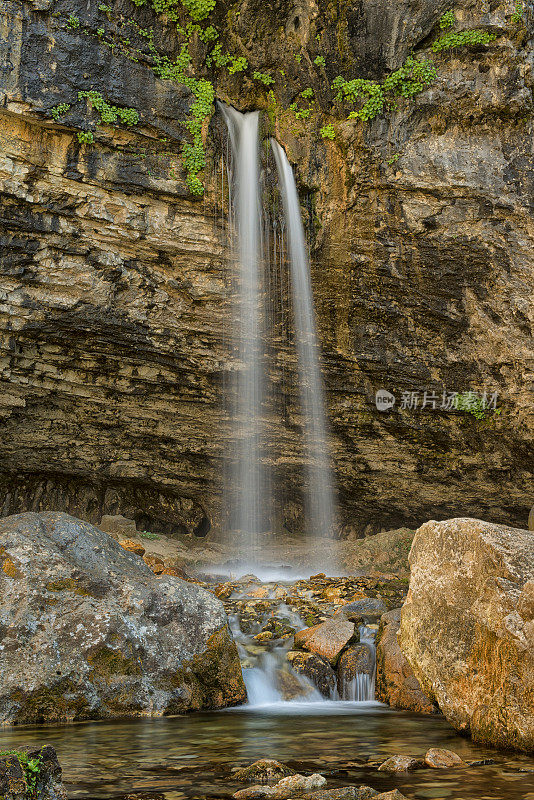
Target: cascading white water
(250,496)
(320,482)
(273,684)
(361,688)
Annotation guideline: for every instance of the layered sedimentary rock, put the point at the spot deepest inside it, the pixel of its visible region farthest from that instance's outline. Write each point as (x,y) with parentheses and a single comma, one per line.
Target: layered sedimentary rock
(467,627)
(89,632)
(115,282)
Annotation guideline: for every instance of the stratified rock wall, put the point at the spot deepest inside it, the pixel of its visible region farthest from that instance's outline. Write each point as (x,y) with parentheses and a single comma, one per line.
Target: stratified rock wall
(115,283)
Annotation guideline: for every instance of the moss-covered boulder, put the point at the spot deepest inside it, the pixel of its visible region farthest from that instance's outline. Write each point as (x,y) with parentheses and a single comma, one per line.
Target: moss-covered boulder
(88,631)
(31,772)
(467,627)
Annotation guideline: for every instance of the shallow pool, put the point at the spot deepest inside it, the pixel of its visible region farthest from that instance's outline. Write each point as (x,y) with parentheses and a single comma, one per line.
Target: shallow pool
(192,756)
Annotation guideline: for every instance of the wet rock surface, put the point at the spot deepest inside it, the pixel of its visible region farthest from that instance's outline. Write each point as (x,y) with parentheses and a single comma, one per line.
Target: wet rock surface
(399,764)
(316,669)
(31,772)
(266,770)
(357,659)
(438,758)
(396,683)
(467,627)
(88,631)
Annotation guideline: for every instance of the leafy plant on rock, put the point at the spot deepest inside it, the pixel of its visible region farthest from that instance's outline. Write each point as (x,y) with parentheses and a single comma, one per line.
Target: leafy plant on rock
(413,77)
(59,110)
(109,113)
(447,20)
(462,39)
(85,137)
(265,78)
(31,768)
(328,131)
(519,12)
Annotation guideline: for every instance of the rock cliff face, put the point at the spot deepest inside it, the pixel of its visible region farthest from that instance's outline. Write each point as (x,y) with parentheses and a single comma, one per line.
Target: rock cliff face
(116,281)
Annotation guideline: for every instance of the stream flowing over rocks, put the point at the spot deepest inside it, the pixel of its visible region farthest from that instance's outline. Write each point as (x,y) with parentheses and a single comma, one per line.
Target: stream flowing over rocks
(467,627)
(88,631)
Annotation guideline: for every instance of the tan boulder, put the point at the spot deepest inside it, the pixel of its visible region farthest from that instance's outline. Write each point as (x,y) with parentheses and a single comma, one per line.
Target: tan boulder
(292,786)
(327,639)
(399,764)
(118,526)
(266,770)
(396,683)
(298,784)
(439,758)
(467,627)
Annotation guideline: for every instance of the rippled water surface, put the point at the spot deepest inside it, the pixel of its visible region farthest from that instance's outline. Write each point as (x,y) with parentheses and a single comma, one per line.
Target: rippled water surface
(192,756)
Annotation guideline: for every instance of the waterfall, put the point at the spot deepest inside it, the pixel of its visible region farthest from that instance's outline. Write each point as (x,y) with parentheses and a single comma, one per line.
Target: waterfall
(250,495)
(251,512)
(320,493)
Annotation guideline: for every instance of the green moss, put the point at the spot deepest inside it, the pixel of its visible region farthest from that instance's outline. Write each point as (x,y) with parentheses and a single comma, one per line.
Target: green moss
(107,664)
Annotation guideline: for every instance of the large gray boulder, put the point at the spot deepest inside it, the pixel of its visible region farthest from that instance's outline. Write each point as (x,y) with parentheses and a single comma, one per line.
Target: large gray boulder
(88,631)
(467,627)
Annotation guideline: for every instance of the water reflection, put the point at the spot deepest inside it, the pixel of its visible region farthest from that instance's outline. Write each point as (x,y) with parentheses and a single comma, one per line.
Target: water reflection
(192,756)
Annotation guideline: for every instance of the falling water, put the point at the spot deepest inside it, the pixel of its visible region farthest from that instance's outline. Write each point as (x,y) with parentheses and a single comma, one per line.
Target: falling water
(361,688)
(250,505)
(320,492)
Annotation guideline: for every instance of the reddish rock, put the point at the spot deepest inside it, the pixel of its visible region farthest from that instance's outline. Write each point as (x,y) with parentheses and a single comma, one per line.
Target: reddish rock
(327,639)
(439,758)
(396,683)
(133,547)
(156,564)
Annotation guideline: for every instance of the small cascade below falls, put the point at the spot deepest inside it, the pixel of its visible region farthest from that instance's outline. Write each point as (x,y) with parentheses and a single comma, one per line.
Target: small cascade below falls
(320,481)
(279,677)
(360,687)
(268,676)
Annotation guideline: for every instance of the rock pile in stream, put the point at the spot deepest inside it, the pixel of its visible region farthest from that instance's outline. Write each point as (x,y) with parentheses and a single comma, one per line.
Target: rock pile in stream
(327,654)
(88,631)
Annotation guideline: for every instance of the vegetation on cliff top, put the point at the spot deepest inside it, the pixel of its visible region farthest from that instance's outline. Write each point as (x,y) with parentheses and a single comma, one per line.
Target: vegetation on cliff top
(368,98)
